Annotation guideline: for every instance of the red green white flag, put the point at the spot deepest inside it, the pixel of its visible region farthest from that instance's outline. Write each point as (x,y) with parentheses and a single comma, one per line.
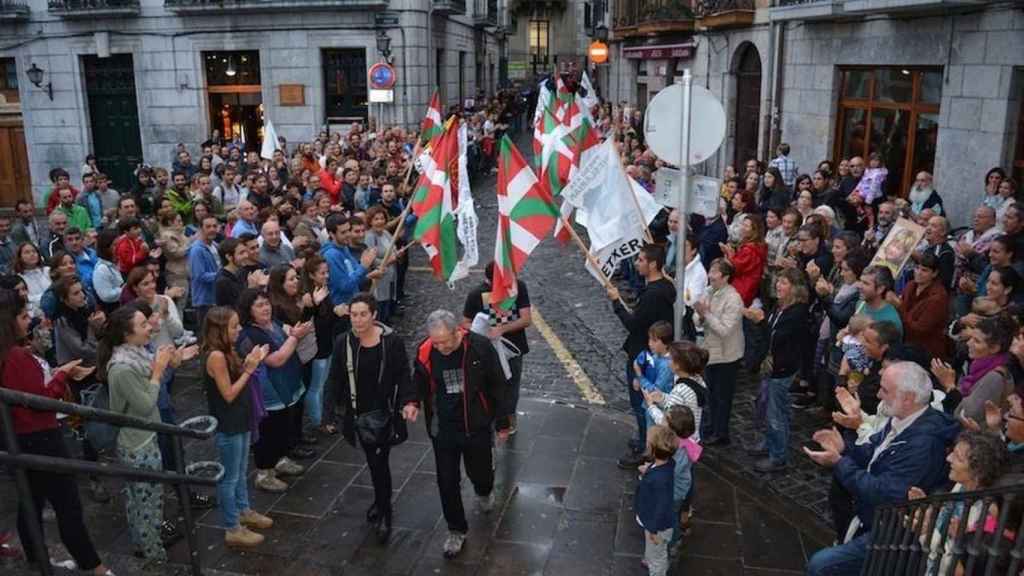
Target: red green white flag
(432,125)
(434,202)
(526,214)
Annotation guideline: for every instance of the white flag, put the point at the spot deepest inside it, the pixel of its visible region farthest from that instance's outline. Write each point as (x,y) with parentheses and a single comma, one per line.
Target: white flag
(590,100)
(465,214)
(269,141)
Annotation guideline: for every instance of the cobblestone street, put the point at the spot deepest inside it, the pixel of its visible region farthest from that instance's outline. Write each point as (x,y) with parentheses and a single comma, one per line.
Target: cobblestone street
(563,506)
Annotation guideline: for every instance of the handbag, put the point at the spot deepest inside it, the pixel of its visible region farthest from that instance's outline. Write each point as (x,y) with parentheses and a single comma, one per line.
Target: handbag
(380,427)
(102,435)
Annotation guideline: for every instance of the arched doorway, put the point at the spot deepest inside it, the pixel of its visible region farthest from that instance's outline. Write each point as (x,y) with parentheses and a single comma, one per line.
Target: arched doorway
(748,104)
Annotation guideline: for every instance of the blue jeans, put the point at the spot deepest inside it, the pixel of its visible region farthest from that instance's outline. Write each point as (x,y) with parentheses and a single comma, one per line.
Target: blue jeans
(232,491)
(777,416)
(842,560)
(314,401)
(636,402)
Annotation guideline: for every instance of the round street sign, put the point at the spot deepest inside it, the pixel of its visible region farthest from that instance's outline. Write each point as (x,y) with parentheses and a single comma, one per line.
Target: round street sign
(598,52)
(382,76)
(663,124)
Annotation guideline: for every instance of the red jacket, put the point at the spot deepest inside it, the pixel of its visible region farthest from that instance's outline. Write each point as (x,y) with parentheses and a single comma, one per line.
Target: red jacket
(53,200)
(925,316)
(23,373)
(749,267)
(331,184)
(129,253)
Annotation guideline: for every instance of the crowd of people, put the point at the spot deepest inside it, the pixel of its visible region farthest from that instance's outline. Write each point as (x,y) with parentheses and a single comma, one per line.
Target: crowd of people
(282,277)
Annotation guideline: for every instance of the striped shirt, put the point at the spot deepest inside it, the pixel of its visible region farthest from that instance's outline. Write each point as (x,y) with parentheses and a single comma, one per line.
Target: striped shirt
(681,394)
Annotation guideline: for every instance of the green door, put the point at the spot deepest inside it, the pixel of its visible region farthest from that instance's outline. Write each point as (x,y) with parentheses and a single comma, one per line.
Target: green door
(114,113)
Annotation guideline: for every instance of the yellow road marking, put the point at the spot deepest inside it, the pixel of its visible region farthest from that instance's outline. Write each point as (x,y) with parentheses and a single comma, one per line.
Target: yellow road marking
(586,387)
(583,382)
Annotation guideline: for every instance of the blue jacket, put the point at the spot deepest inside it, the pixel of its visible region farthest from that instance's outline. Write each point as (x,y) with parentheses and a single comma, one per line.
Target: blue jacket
(656,372)
(94,206)
(203,267)
(653,500)
(682,476)
(241,227)
(85,263)
(345,272)
(916,457)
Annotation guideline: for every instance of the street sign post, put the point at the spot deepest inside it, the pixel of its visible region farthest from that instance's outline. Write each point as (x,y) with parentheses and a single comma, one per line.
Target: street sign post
(382,80)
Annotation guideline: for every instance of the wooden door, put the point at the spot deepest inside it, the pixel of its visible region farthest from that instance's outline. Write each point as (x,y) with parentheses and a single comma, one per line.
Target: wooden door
(114,114)
(748,106)
(15,183)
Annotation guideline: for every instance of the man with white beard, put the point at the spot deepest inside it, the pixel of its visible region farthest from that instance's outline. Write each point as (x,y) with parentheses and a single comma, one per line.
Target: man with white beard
(923,195)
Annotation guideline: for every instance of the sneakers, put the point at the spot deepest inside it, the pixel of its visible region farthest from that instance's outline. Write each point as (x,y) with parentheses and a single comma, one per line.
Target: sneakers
(267,481)
(486,503)
(242,537)
(766,465)
(98,492)
(285,467)
(512,421)
(253,519)
(453,544)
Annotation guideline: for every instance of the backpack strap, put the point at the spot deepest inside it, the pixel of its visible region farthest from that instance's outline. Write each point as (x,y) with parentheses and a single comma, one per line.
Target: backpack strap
(351,372)
(698,390)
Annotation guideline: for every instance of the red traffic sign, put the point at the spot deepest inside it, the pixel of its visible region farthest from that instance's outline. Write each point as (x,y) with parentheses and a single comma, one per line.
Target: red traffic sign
(382,76)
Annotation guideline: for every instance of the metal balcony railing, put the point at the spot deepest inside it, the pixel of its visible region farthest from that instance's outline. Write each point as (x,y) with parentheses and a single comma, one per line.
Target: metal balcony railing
(705,8)
(449,6)
(237,6)
(485,12)
(11,10)
(978,533)
(94,8)
(198,473)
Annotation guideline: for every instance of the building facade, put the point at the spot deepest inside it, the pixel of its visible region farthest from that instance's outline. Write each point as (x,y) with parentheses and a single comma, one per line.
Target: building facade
(127,80)
(929,85)
(545,35)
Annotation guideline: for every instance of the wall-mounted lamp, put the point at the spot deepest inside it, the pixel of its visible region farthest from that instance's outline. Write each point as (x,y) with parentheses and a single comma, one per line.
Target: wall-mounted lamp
(384,45)
(231,67)
(601,32)
(35,76)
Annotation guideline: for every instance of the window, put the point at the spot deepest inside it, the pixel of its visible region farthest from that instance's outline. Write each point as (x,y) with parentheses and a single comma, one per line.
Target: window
(345,93)
(893,111)
(539,52)
(9,80)
(236,68)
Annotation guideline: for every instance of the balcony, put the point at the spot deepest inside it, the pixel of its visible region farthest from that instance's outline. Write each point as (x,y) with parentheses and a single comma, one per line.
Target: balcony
(526,7)
(724,14)
(485,13)
(864,7)
(785,10)
(14,11)
(80,9)
(196,7)
(650,18)
(449,6)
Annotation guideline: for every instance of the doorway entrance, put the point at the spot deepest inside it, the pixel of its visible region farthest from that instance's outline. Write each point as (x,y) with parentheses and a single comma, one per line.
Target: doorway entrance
(235,96)
(114,116)
(15,183)
(748,104)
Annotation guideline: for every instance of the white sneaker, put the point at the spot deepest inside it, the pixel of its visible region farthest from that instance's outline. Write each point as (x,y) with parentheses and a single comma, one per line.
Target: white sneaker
(453,544)
(285,467)
(486,503)
(267,481)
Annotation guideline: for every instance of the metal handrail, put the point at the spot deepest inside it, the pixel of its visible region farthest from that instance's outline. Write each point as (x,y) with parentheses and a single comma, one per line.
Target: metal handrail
(72,466)
(44,404)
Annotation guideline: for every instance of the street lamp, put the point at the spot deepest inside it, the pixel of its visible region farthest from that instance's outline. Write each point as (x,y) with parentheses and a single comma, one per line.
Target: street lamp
(384,45)
(601,32)
(35,76)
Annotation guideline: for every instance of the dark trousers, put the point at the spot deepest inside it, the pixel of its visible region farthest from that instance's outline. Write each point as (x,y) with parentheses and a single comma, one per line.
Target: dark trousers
(721,381)
(515,366)
(276,437)
(636,402)
(62,492)
(477,452)
(380,473)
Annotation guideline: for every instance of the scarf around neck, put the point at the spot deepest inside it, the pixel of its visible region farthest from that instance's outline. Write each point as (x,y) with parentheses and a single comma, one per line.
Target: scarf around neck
(137,357)
(979,368)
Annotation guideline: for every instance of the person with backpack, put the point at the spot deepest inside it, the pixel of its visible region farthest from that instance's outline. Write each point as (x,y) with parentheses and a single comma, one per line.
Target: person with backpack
(688,362)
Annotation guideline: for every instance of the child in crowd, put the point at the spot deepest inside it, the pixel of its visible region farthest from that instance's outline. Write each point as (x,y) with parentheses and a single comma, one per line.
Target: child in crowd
(871,185)
(653,500)
(653,368)
(688,361)
(856,362)
(680,420)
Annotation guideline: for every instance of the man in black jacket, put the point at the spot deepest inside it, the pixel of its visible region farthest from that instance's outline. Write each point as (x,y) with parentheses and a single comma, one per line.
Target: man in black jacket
(655,303)
(465,398)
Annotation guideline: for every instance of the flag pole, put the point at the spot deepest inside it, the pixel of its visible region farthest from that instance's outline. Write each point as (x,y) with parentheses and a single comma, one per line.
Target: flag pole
(640,212)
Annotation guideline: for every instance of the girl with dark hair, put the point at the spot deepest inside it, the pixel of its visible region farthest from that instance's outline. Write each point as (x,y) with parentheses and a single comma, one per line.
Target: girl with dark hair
(327,320)
(291,307)
(773,191)
(281,387)
(993,178)
(236,406)
(61,264)
(133,375)
(39,434)
(28,264)
(107,281)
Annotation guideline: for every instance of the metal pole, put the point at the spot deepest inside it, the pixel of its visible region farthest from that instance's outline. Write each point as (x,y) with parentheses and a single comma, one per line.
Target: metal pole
(185,502)
(27,504)
(684,194)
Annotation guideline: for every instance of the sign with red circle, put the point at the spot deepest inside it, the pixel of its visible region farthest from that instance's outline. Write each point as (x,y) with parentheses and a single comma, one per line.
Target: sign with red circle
(382,76)
(598,52)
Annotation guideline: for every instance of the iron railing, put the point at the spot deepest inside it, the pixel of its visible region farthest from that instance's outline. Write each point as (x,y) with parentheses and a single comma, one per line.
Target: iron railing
(93,6)
(973,533)
(705,8)
(634,12)
(198,473)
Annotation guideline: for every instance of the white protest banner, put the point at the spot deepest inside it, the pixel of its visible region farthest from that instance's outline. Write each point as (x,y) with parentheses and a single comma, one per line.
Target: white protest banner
(590,176)
(610,256)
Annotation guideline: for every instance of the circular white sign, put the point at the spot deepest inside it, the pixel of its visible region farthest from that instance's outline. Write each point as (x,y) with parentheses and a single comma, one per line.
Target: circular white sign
(663,124)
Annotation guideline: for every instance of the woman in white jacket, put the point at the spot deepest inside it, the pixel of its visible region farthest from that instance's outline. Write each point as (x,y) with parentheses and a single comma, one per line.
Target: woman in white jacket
(722,312)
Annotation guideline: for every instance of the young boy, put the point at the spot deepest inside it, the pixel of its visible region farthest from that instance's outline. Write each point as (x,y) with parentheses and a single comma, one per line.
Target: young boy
(653,500)
(653,368)
(681,422)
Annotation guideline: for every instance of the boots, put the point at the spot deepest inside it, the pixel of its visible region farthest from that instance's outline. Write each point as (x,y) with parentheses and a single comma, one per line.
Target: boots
(242,537)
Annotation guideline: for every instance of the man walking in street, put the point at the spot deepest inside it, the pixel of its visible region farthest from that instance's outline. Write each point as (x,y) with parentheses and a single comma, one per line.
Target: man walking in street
(510,325)
(462,390)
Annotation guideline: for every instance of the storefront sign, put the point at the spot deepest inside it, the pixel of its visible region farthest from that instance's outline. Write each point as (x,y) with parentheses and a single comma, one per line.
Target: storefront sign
(292,94)
(658,52)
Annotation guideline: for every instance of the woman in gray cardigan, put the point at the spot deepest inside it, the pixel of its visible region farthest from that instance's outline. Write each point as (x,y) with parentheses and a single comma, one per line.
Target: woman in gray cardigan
(75,325)
(133,375)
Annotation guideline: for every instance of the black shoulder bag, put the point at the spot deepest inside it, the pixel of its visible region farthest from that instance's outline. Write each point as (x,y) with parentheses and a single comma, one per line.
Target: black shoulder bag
(380,427)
